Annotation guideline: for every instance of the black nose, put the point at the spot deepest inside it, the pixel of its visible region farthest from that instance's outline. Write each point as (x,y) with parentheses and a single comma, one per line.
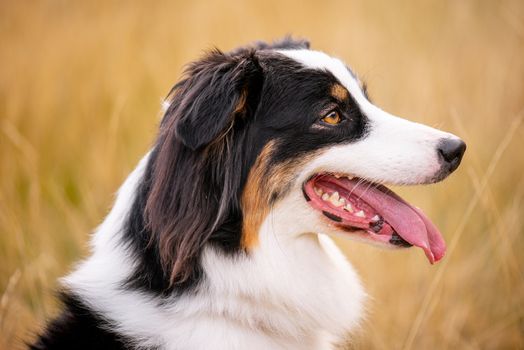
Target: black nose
(451,152)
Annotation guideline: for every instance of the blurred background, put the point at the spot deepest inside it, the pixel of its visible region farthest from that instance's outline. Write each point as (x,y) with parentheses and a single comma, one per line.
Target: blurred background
(81,83)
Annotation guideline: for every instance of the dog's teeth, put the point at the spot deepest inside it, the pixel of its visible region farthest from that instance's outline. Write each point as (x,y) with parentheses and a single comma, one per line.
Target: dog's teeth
(348,207)
(325,197)
(349,177)
(360,214)
(337,176)
(375,218)
(335,200)
(318,191)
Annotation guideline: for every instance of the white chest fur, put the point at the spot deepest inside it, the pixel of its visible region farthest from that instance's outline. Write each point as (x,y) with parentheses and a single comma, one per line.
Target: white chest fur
(298,294)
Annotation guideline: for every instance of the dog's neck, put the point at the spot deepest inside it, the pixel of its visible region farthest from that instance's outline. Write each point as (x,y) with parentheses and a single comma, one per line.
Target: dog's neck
(287,292)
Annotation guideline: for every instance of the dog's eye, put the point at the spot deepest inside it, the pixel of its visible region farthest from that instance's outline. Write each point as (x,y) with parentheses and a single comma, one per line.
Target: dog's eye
(332,118)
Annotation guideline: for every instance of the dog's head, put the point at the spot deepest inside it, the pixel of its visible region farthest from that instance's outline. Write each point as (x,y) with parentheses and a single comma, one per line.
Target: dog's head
(283,130)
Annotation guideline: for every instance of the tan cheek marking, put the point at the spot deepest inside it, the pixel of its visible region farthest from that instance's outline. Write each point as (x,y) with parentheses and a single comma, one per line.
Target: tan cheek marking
(261,184)
(255,200)
(339,92)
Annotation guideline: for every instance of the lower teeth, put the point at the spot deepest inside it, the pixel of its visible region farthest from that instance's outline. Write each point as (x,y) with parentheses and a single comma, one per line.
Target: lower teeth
(377,223)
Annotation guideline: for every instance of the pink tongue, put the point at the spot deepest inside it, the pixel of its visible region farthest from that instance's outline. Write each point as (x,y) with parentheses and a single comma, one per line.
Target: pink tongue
(410,223)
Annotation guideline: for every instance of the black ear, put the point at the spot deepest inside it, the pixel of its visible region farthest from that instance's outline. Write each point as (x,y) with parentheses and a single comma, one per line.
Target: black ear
(217,89)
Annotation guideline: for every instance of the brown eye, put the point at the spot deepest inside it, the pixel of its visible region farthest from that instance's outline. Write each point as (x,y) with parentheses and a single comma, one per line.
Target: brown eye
(332,118)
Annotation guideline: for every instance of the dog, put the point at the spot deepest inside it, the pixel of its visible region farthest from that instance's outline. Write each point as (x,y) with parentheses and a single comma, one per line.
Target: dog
(220,238)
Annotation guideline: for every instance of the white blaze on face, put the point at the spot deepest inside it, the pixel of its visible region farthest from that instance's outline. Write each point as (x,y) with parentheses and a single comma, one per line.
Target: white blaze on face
(394,150)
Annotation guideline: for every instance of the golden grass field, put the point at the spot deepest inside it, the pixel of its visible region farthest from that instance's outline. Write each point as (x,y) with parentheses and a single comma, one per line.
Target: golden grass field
(81,84)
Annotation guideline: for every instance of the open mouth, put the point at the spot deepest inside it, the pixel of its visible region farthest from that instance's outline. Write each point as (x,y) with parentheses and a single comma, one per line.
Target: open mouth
(359,206)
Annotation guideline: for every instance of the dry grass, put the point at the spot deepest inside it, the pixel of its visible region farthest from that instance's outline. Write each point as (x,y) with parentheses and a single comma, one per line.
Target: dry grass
(80,88)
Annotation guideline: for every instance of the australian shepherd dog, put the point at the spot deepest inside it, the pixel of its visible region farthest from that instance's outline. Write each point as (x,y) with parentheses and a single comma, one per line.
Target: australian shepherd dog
(221,236)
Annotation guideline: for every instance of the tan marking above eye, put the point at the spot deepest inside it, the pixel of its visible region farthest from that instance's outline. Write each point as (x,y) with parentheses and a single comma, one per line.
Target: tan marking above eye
(332,118)
(339,92)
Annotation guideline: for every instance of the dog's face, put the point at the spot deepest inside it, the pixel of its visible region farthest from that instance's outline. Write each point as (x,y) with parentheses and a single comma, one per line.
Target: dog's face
(331,147)
(284,129)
